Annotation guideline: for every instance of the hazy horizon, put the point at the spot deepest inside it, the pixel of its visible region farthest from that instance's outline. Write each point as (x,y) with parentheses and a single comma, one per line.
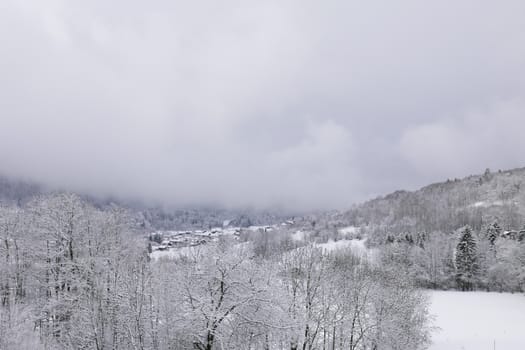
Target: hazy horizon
(299,105)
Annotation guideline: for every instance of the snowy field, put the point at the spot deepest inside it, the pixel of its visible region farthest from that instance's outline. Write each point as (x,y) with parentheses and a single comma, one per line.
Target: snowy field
(478,321)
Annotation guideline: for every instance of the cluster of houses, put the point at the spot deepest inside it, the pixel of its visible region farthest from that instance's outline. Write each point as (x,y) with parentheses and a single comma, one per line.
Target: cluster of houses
(514,235)
(165,240)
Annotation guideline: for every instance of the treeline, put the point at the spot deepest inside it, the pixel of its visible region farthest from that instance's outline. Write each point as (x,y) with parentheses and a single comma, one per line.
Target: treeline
(224,297)
(420,231)
(489,259)
(474,201)
(495,260)
(148,216)
(204,218)
(76,277)
(69,276)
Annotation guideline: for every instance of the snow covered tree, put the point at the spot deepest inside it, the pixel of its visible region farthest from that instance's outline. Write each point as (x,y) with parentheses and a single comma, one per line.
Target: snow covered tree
(303,276)
(217,298)
(74,276)
(493,232)
(466,260)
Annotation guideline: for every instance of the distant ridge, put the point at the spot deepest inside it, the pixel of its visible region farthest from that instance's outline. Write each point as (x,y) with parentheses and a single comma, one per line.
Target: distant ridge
(147,217)
(474,200)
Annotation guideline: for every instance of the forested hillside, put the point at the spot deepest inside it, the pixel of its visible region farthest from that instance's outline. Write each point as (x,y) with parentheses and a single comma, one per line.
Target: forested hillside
(477,200)
(464,234)
(17,191)
(148,216)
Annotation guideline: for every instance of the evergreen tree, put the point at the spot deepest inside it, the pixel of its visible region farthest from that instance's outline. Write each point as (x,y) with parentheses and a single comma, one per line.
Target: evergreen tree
(493,232)
(466,260)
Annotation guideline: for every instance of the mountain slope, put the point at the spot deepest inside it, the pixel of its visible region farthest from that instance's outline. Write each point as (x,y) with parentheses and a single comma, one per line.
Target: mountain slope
(149,217)
(17,191)
(475,200)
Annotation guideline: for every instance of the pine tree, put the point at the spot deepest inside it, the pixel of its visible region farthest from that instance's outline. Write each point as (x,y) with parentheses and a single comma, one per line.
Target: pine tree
(466,260)
(493,232)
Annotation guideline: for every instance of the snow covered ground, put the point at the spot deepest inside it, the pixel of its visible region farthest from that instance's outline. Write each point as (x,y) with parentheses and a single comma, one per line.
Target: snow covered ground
(350,230)
(484,204)
(355,244)
(358,246)
(478,321)
(298,236)
(175,252)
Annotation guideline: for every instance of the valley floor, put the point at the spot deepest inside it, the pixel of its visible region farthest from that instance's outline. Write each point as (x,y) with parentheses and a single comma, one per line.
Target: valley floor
(478,321)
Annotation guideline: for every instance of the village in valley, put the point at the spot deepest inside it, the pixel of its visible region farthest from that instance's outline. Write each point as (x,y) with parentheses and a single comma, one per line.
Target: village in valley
(164,241)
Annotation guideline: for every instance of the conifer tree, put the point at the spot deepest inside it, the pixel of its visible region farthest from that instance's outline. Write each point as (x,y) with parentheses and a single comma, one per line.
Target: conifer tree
(493,232)
(466,260)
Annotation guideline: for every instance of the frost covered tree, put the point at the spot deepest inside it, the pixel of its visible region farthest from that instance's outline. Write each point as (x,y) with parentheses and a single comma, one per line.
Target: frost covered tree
(12,254)
(338,300)
(73,276)
(466,260)
(493,233)
(218,298)
(15,277)
(59,233)
(303,276)
(507,273)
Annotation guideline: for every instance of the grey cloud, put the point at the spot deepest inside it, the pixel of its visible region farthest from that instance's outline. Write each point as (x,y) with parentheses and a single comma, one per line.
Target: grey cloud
(487,136)
(301,104)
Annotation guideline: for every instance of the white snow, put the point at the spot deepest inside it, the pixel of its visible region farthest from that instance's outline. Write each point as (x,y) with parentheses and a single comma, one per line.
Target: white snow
(260,228)
(478,321)
(174,253)
(483,204)
(357,245)
(298,236)
(332,245)
(350,230)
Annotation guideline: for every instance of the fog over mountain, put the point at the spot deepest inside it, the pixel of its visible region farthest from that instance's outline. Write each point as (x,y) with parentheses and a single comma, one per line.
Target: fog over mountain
(296,104)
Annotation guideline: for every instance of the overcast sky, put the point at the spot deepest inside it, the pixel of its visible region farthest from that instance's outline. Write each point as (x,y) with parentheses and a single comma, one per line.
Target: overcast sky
(296,103)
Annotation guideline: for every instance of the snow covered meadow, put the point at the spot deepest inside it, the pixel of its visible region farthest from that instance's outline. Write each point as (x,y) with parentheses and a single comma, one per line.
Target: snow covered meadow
(464,320)
(478,321)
